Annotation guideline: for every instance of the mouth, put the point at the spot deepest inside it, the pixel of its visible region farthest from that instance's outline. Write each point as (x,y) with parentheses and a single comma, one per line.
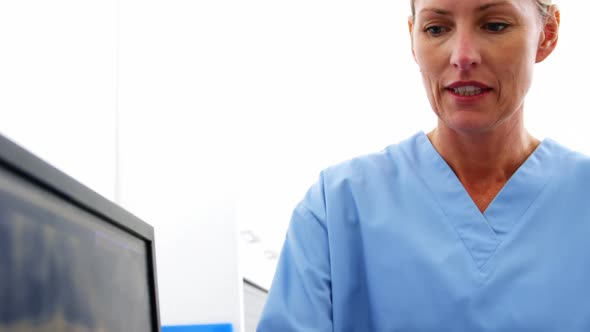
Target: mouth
(468,89)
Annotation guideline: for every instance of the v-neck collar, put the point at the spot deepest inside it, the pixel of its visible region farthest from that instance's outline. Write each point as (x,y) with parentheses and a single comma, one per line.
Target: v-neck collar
(480,232)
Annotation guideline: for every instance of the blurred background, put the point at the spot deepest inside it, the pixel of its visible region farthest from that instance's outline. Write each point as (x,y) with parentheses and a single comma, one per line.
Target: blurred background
(210,119)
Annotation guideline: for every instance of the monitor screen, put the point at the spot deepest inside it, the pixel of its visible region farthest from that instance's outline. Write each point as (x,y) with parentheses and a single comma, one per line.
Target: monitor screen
(64,267)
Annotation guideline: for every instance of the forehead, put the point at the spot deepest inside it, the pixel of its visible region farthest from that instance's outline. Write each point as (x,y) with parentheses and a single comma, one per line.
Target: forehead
(456,6)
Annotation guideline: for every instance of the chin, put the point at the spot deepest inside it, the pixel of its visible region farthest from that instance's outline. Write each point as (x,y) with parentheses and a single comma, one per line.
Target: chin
(470,123)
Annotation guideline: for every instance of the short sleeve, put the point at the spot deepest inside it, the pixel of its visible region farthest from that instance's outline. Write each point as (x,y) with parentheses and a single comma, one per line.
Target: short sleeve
(300,298)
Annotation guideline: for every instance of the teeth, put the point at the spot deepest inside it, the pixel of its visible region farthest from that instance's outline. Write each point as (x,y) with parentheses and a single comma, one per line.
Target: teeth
(467,90)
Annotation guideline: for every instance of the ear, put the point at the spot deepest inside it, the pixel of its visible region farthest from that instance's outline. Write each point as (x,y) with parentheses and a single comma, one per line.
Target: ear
(550,33)
(411,30)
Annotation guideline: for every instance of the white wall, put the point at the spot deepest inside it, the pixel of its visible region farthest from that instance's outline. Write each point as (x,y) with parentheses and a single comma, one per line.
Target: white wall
(557,104)
(58,84)
(178,155)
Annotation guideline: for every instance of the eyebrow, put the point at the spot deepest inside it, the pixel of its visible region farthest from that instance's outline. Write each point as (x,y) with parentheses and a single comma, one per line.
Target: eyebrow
(479,9)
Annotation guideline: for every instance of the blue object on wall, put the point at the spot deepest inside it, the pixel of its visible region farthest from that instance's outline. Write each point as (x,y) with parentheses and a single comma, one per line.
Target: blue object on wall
(199,328)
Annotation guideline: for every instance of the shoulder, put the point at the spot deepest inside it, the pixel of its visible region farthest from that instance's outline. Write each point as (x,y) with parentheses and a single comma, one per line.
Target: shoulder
(566,166)
(372,166)
(566,159)
(365,177)
(367,170)
(362,168)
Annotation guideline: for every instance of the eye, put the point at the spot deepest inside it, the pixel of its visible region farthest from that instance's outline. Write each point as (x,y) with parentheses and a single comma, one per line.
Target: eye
(435,30)
(495,26)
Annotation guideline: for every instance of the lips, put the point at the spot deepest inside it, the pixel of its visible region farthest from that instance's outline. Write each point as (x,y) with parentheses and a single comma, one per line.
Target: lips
(468,88)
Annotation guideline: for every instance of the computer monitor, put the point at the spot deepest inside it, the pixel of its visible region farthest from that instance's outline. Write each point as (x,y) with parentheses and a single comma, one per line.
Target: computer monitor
(70,260)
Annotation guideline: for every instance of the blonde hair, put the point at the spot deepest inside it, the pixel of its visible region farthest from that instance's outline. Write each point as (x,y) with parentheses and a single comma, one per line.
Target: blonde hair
(542,5)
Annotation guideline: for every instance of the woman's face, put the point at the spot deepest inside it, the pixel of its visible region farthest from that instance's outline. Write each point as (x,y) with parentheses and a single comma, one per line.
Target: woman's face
(477,57)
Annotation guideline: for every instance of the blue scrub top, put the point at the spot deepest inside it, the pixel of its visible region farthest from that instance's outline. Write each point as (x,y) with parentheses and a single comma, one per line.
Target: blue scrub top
(392,242)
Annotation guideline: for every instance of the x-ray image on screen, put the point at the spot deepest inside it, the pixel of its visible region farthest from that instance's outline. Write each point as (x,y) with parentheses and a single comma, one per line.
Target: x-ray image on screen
(64,269)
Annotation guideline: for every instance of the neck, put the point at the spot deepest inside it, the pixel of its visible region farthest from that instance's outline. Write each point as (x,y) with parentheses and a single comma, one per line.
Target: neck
(484,158)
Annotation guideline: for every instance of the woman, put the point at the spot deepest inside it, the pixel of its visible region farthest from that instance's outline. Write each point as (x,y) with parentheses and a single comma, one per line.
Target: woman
(476,226)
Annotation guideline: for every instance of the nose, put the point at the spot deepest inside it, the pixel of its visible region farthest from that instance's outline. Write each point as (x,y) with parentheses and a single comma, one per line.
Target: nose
(465,54)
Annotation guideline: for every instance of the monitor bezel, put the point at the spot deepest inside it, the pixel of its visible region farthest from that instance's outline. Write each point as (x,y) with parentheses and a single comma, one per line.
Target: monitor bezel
(25,164)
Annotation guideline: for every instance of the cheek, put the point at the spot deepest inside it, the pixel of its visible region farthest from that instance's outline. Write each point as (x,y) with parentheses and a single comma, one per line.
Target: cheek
(517,73)
(520,58)
(426,60)
(430,79)
(431,76)
(428,68)
(431,61)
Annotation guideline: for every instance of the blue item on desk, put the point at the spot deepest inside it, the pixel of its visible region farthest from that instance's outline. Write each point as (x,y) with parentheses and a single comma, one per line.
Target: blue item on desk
(199,328)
